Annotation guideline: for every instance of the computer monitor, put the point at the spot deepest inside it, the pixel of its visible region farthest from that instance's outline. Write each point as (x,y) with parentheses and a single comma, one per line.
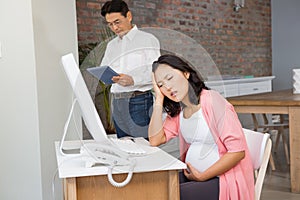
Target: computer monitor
(88,110)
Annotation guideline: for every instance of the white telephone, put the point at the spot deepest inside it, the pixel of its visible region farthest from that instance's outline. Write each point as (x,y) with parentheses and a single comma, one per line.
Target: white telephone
(96,153)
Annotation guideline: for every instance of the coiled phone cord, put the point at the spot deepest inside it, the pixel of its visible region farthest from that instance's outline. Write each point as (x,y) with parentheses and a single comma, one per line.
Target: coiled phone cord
(126,181)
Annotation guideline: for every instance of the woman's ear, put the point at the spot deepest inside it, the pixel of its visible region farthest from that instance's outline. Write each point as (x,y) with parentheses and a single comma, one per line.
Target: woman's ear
(186,74)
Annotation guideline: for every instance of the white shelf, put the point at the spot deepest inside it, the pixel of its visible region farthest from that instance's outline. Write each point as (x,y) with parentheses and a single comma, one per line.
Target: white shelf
(242,86)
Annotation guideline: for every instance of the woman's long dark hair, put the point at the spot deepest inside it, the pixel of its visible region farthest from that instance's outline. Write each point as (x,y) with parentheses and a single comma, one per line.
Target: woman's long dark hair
(195,82)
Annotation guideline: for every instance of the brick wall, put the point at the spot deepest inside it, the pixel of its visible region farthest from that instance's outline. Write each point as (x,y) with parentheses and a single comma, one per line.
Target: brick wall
(238,42)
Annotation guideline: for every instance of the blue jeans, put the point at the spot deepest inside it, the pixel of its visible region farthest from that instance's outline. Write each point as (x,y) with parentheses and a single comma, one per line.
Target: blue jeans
(131,116)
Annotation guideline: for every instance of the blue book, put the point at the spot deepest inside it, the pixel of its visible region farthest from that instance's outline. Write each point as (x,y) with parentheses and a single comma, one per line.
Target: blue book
(103,73)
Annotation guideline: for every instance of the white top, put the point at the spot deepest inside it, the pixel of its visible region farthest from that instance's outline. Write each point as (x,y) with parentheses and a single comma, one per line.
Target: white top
(133,54)
(203,151)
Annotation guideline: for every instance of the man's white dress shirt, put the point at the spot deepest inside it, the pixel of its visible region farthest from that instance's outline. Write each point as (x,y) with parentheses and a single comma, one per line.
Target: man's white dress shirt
(133,54)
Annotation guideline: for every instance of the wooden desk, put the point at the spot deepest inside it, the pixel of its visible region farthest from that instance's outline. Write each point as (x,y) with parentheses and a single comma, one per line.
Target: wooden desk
(155,176)
(279,102)
(146,186)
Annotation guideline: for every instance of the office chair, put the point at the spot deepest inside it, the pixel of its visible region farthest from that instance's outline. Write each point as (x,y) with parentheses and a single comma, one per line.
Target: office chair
(259,156)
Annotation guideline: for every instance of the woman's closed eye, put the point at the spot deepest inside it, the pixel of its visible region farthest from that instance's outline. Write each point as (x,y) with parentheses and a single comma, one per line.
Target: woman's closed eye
(169,77)
(160,85)
(166,79)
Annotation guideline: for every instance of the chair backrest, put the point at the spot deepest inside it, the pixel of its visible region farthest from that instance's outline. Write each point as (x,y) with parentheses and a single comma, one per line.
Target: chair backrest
(259,145)
(267,126)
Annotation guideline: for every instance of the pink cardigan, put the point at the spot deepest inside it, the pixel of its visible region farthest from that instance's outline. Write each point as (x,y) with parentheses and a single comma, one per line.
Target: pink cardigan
(238,182)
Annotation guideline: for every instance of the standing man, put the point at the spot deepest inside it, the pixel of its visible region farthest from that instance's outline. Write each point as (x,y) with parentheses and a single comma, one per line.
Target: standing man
(131,54)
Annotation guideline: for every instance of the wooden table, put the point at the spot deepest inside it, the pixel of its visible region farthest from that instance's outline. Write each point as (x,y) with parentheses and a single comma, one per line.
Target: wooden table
(279,102)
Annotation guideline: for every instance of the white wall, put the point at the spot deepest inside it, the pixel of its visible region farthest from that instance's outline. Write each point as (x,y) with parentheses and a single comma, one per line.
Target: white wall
(55,34)
(35,95)
(20,140)
(285,41)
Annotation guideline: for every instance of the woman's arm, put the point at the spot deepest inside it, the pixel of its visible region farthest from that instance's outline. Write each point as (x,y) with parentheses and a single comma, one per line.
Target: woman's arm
(156,132)
(225,163)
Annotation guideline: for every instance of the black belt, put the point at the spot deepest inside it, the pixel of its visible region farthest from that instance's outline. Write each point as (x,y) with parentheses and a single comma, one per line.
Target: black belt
(129,94)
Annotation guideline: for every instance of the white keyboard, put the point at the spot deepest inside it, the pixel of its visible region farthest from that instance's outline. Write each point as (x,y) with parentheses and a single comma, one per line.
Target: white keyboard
(128,146)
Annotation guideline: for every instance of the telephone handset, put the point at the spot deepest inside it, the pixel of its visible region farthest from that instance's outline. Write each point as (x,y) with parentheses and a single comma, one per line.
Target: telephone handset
(104,154)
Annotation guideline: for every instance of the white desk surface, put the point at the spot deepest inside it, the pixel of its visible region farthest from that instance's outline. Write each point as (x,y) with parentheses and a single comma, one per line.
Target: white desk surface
(154,160)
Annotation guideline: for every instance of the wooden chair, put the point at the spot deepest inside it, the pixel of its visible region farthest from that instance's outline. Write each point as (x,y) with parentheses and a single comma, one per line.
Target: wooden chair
(279,125)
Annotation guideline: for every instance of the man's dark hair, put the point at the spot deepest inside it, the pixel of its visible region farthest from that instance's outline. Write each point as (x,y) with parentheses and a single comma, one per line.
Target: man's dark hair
(113,6)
